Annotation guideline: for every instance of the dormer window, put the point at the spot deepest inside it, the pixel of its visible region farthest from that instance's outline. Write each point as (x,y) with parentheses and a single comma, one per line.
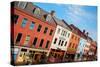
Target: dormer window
(48,18)
(22,4)
(36,11)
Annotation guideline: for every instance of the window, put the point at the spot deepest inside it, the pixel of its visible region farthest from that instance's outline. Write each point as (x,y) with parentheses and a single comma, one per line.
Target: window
(48,18)
(36,56)
(55,55)
(73,45)
(51,31)
(65,43)
(47,44)
(35,40)
(58,30)
(27,40)
(22,4)
(39,28)
(65,33)
(62,43)
(59,42)
(68,34)
(78,39)
(70,44)
(14,18)
(14,57)
(72,36)
(14,54)
(75,37)
(32,25)
(24,22)
(55,40)
(18,37)
(62,32)
(24,50)
(36,11)
(45,29)
(41,43)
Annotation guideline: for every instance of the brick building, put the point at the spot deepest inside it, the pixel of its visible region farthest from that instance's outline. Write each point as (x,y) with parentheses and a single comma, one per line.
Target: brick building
(31,28)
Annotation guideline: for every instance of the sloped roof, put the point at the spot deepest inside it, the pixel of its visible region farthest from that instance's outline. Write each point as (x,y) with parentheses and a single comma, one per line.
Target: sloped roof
(30,7)
(61,23)
(77,31)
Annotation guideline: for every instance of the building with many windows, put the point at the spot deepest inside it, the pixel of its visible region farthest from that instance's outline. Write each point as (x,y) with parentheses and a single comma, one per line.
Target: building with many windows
(73,43)
(39,36)
(87,48)
(32,27)
(61,39)
(81,45)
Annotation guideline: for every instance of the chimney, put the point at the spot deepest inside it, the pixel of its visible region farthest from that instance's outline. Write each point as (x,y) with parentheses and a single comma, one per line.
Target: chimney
(83,31)
(52,13)
(87,34)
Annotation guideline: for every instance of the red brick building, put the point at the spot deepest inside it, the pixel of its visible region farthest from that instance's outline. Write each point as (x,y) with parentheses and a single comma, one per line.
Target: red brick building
(31,27)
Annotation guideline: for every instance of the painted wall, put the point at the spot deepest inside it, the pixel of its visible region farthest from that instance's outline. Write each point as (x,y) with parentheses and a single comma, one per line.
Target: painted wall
(33,33)
(80,49)
(73,43)
(59,36)
(87,47)
(81,45)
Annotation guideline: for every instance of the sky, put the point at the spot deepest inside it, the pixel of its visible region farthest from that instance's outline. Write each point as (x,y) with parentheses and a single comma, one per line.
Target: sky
(82,16)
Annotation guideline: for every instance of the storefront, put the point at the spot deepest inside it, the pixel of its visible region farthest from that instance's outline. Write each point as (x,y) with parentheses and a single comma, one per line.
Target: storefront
(57,55)
(29,56)
(69,57)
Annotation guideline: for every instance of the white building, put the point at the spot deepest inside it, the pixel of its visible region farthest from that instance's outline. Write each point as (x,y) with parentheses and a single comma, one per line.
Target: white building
(62,35)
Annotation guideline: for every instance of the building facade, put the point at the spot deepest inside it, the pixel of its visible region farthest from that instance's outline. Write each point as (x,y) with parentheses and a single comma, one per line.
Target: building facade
(80,49)
(60,40)
(87,48)
(93,51)
(73,44)
(39,36)
(33,28)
